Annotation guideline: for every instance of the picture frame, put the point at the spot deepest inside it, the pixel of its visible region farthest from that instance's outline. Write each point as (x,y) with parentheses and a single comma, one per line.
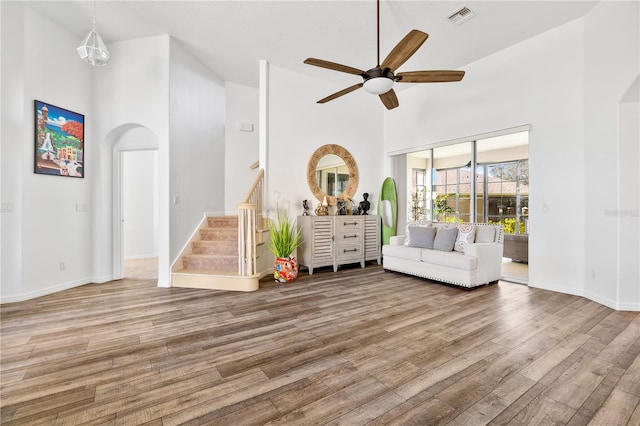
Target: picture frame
(58,141)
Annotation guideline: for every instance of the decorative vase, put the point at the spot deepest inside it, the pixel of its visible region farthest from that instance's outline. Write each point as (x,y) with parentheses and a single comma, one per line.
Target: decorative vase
(285,269)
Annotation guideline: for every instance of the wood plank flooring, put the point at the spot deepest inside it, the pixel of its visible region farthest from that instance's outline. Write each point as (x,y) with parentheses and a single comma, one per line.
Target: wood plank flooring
(357,347)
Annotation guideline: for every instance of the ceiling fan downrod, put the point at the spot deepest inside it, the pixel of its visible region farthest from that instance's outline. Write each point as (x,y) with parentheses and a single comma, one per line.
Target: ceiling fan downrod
(378,31)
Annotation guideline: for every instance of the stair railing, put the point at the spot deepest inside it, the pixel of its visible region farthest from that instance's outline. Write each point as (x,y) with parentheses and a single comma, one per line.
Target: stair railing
(249,210)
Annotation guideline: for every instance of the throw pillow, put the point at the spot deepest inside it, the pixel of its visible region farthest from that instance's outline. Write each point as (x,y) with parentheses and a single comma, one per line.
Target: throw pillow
(407,234)
(422,237)
(485,234)
(466,235)
(445,239)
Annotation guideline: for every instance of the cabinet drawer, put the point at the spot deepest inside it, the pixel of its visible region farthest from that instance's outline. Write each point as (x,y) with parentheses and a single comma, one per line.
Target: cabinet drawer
(349,251)
(348,223)
(346,236)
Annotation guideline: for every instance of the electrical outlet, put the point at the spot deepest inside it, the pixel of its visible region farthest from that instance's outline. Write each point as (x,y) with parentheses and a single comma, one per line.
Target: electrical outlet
(63,266)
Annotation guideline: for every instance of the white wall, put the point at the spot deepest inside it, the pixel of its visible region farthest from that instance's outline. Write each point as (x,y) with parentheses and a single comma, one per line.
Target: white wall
(511,88)
(561,83)
(44,228)
(298,126)
(611,64)
(197,122)
(12,134)
(241,147)
(132,91)
(628,210)
(139,177)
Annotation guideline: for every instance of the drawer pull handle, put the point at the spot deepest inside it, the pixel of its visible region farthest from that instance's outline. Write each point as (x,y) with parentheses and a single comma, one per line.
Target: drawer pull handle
(349,223)
(351,236)
(347,251)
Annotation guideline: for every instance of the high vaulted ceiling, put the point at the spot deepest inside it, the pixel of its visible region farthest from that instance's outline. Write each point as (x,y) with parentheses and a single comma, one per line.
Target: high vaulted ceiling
(230,37)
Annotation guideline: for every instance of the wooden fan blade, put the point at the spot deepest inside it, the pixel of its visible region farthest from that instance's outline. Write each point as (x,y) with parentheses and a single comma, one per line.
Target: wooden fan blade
(333,66)
(429,76)
(403,50)
(389,99)
(340,93)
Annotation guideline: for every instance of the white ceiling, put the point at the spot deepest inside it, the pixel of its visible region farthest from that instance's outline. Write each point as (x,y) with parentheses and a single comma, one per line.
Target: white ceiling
(230,37)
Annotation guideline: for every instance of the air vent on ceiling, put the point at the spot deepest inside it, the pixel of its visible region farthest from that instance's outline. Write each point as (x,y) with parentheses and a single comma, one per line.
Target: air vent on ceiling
(461,15)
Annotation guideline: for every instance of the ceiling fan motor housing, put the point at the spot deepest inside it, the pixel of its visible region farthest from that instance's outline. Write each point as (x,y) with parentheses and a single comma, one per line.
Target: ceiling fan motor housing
(378,80)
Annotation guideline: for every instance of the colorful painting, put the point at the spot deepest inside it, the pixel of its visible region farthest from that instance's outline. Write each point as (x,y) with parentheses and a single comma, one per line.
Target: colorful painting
(59,141)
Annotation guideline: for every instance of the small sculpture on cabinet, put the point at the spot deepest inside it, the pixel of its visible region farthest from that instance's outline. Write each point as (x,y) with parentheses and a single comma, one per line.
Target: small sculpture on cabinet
(365,205)
(323,208)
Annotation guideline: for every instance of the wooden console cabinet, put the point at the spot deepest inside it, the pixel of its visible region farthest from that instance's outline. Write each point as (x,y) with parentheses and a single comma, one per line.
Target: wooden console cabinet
(338,240)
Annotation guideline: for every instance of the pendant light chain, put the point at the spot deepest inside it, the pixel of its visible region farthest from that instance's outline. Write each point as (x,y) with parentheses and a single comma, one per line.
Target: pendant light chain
(94,15)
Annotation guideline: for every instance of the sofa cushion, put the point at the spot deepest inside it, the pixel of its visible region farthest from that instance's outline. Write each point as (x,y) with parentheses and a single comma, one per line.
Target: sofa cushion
(451,259)
(485,234)
(409,253)
(419,223)
(421,236)
(466,235)
(445,239)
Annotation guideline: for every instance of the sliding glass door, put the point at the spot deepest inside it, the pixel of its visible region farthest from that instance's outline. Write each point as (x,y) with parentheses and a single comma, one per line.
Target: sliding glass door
(494,172)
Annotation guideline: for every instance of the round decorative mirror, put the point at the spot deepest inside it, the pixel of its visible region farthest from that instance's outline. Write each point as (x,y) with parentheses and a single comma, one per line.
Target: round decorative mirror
(332,172)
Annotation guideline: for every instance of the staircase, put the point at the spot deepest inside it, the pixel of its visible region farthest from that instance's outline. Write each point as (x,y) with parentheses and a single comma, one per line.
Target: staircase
(217,248)
(227,252)
(211,259)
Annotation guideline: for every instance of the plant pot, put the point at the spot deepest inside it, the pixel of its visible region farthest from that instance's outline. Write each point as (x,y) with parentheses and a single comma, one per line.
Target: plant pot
(285,269)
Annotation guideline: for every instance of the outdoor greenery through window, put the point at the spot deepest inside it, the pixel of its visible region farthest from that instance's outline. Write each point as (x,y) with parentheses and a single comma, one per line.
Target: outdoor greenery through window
(508,195)
(500,184)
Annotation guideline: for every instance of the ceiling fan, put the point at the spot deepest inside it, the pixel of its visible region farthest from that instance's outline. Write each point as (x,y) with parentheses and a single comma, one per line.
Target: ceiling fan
(380,80)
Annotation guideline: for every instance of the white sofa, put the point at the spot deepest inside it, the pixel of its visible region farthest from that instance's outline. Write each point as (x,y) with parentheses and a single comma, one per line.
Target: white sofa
(476,259)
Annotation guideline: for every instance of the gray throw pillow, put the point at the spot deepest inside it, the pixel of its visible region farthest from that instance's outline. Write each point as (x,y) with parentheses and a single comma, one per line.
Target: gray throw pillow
(421,236)
(445,239)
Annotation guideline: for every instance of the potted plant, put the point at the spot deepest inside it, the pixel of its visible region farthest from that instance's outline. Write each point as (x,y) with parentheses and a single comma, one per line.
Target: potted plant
(285,237)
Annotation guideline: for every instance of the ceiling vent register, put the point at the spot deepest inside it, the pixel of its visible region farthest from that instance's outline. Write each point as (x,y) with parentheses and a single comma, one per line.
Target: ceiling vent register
(462,15)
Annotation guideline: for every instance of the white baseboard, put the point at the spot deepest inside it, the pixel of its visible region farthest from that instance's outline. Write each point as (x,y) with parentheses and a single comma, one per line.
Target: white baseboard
(141,256)
(43,291)
(220,213)
(609,303)
(102,279)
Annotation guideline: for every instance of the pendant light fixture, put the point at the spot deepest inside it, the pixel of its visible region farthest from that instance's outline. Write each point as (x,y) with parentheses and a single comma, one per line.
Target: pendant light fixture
(92,49)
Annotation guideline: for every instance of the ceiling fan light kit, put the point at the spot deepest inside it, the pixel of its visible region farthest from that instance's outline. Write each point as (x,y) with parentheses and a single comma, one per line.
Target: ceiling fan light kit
(378,85)
(380,79)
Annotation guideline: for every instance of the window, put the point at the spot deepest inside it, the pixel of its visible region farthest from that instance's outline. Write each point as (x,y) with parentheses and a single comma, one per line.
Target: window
(500,184)
(418,208)
(507,186)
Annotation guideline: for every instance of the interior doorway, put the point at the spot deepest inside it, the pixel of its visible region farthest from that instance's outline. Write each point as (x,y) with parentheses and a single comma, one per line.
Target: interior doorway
(139,191)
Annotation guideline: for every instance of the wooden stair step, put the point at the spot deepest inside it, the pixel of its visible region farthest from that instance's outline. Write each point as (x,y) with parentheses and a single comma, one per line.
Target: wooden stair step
(214,280)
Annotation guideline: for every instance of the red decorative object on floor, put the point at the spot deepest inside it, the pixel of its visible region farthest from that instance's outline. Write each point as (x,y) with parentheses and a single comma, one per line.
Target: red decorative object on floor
(285,269)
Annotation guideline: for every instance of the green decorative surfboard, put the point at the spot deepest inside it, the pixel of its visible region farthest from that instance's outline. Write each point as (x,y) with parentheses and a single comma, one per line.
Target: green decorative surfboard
(388,209)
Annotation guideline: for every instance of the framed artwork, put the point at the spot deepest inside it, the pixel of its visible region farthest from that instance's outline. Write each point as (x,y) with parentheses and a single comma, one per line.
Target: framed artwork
(59,141)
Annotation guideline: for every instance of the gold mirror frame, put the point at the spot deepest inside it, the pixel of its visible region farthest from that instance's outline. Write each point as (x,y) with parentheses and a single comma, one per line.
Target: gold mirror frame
(352,184)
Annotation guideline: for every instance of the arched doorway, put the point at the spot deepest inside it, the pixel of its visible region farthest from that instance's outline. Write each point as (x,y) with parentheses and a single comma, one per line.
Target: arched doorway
(137,144)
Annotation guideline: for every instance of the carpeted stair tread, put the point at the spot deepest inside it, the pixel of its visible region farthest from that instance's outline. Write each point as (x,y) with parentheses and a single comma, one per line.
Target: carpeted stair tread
(223,222)
(209,262)
(215,247)
(225,234)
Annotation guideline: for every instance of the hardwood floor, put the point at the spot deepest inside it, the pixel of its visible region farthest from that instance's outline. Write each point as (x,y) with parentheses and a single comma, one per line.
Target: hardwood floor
(361,346)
